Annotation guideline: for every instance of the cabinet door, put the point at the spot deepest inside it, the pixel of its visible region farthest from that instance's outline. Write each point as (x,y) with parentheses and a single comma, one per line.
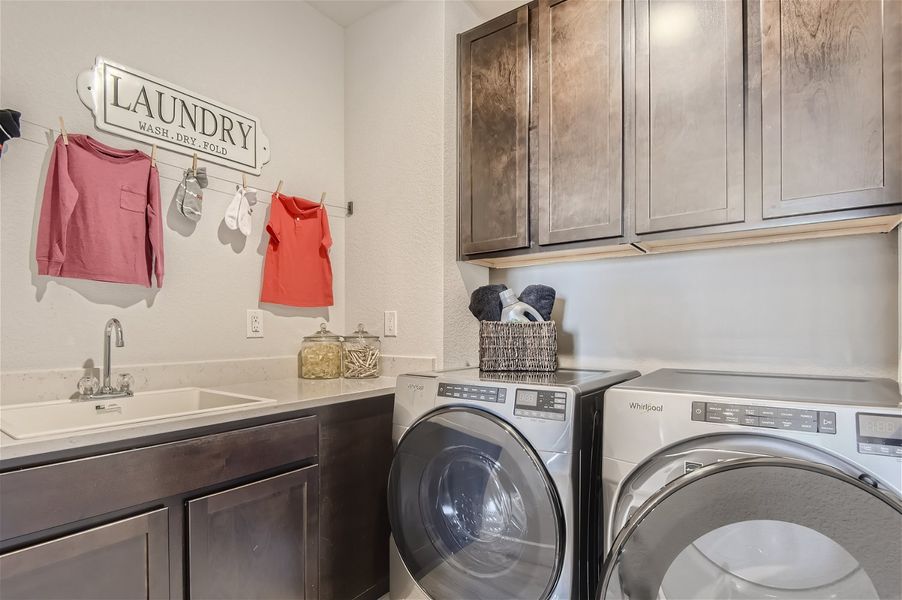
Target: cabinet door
(119,561)
(830,94)
(494,134)
(256,541)
(579,67)
(689,114)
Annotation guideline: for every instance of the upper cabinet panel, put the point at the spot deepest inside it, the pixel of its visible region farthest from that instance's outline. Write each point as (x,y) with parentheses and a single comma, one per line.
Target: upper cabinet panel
(830,89)
(689,114)
(578,65)
(494,134)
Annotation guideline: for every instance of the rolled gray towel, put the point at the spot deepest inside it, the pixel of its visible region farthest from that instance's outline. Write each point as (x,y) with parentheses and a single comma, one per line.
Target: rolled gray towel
(541,298)
(485,302)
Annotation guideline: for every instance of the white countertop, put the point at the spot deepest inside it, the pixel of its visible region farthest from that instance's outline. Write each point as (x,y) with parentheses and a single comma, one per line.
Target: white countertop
(288,394)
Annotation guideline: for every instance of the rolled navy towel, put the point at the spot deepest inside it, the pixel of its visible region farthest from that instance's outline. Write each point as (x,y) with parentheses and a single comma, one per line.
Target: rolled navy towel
(485,302)
(541,298)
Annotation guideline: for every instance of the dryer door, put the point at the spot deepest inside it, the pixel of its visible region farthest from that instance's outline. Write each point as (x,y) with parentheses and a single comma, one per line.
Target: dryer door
(473,511)
(760,527)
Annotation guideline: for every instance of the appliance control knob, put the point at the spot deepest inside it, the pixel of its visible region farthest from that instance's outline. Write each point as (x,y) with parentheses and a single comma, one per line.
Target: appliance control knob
(864,477)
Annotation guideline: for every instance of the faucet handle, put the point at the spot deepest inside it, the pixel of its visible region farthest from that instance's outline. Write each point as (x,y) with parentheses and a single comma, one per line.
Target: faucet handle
(87,385)
(125,382)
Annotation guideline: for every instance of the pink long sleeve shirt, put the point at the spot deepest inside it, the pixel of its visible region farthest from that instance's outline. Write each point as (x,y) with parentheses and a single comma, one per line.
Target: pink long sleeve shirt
(100,217)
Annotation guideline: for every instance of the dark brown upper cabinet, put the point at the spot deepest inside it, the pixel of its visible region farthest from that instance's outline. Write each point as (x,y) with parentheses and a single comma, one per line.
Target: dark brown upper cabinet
(494,134)
(830,92)
(593,128)
(689,114)
(578,66)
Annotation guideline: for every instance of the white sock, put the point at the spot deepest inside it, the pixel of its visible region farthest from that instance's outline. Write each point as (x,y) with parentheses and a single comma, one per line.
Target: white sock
(248,199)
(238,213)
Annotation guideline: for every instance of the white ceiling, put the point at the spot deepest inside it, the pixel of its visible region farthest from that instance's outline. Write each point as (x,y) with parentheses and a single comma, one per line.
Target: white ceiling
(489,9)
(345,12)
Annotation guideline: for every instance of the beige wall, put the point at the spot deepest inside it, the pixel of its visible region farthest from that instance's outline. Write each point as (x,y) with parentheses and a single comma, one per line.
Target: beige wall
(460,345)
(401,172)
(821,306)
(373,107)
(281,61)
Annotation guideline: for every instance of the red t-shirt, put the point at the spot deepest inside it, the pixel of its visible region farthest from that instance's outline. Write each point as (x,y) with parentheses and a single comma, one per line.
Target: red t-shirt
(297,271)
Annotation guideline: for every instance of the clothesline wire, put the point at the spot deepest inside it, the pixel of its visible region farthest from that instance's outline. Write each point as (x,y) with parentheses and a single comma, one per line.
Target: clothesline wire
(168,164)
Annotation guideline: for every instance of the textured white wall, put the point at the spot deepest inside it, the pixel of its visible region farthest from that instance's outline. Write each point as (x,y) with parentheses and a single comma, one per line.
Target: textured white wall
(400,172)
(281,61)
(820,306)
(460,344)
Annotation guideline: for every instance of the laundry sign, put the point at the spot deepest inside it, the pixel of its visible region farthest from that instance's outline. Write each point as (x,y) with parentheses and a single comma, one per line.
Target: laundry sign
(143,107)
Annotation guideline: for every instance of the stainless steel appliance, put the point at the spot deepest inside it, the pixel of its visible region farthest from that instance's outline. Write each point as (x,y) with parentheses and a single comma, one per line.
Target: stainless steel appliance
(491,487)
(741,485)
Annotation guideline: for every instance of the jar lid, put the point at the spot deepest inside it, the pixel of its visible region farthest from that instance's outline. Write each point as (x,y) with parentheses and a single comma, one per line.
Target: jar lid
(361,332)
(323,335)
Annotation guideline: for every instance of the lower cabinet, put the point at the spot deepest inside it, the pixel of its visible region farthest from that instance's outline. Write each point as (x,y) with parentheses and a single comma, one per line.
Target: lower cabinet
(256,540)
(123,560)
(290,509)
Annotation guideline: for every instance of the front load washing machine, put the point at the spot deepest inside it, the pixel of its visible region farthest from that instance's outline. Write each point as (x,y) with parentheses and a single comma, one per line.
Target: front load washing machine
(738,485)
(490,491)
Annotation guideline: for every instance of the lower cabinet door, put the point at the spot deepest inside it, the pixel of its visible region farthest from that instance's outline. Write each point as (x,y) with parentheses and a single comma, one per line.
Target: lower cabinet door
(123,560)
(258,540)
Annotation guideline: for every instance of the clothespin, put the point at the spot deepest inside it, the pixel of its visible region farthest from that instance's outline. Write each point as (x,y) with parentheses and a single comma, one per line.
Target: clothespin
(194,164)
(244,180)
(322,199)
(279,188)
(63,132)
(153,155)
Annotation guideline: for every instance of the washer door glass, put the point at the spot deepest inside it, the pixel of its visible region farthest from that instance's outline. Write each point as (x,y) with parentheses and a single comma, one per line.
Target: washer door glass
(473,511)
(760,527)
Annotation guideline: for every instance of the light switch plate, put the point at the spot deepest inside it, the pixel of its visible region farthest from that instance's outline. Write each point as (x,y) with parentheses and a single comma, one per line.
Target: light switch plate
(254,323)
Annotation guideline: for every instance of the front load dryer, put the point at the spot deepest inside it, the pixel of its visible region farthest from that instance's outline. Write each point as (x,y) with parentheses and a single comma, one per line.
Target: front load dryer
(490,491)
(738,485)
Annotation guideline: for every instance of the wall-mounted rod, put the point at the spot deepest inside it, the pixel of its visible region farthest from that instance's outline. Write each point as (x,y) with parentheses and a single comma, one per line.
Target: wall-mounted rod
(347,207)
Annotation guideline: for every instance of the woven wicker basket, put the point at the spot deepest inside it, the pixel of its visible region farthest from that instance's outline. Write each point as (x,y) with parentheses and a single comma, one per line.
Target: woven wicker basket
(517,346)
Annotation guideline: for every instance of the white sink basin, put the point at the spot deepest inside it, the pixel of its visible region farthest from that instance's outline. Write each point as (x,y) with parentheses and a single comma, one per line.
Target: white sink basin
(59,417)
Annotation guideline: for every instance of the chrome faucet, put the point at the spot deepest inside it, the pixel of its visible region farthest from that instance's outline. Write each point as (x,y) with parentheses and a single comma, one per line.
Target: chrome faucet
(111,326)
(87,386)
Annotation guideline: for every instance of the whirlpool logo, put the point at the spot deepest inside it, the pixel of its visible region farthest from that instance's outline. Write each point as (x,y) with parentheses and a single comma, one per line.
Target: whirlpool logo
(415,387)
(646,407)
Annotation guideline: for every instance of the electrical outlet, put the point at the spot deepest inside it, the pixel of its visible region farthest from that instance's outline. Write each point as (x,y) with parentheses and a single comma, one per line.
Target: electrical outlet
(254,323)
(391,323)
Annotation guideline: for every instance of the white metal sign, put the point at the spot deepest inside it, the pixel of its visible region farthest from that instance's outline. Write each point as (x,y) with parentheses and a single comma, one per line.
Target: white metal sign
(139,106)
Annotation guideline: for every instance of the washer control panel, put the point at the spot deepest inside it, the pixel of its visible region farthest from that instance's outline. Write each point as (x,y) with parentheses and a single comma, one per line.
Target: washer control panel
(481,393)
(771,417)
(879,434)
(540,404)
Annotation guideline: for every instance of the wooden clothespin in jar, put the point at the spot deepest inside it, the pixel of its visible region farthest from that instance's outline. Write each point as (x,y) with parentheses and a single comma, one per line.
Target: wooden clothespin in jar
(322,199)
(153,155)
(63,132)
(279,188)
(194,164)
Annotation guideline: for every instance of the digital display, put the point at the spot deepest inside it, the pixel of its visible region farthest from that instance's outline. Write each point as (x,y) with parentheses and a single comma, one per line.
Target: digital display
(527,397)
(884,427)
(541,404)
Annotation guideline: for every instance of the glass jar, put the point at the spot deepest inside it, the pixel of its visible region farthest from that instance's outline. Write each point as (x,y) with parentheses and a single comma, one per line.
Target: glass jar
(361,354)
(320,356)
